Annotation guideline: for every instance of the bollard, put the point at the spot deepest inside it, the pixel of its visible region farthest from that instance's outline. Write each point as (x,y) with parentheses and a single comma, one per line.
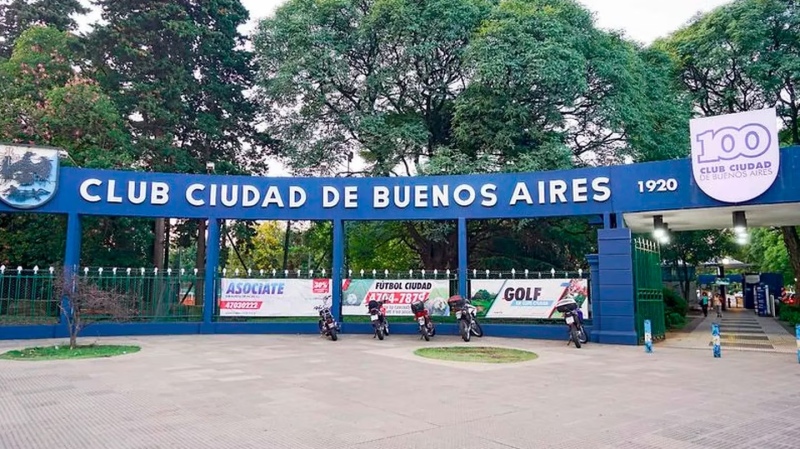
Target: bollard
(648,337)
(797,334)
(715,339)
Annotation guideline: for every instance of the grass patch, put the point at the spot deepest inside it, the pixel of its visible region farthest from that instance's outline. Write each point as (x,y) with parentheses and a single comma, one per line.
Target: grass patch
(477,354)
(64,352)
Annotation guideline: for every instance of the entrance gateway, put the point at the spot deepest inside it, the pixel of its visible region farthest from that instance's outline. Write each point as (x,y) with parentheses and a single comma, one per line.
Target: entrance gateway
(736,166)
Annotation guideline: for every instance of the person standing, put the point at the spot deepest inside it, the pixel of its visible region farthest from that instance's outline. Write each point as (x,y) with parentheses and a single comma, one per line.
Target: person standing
(718,305)
(704,303)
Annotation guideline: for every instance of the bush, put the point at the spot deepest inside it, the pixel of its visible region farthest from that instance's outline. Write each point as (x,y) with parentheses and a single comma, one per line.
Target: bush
(790,314)
(675,309)
(675,303)
(674,320)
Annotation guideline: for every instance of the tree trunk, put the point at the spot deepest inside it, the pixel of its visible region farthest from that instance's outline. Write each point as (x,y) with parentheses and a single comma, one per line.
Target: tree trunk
(200,261)
(166,243)
(286,237)
(74,328)
(158,244)
(792,242)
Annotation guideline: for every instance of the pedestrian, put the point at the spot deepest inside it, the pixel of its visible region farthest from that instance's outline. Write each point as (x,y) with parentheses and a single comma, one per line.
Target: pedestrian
(704,303)
(718,305)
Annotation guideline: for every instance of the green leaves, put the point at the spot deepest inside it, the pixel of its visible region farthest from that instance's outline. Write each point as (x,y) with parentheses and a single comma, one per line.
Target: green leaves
(179,67)
(16,16)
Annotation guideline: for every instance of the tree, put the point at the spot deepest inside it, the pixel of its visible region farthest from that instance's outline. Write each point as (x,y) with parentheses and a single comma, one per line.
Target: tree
(741,56)
(46,102)
(82,303)
(264,251)
(465,86)
(178,70)
(17,16)
(767,251)
(693,248)
(377,77)
(380,246)
(548,82)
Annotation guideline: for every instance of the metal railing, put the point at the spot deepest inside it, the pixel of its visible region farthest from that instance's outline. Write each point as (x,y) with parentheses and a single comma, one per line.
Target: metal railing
(373,273)
(27,296)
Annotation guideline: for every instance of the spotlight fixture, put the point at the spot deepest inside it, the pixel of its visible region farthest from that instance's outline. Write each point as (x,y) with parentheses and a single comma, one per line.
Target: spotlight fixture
(659,229)
(743,238)
(664,237)
(739,222)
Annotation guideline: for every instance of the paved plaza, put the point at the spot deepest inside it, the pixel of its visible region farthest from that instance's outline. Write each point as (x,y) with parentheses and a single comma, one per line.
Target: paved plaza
(739,330)
(291,391)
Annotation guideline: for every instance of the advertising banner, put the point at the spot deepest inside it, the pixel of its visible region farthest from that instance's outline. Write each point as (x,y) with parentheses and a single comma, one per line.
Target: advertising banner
(527,298)
(272,297)
(398,294)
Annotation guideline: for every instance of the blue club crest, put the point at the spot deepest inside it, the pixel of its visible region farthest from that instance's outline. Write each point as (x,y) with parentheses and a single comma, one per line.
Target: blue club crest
(28,175)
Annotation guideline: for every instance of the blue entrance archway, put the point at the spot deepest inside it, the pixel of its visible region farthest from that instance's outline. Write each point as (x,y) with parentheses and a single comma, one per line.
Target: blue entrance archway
(606,193)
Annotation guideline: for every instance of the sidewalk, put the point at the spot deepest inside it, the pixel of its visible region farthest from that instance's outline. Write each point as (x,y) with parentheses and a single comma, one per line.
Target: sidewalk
(740,330)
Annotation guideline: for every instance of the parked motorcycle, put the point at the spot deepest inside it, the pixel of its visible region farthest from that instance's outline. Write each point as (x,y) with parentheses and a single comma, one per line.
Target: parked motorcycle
(327,324)
(573,316)
(377,315)
(426,327)
(465,314)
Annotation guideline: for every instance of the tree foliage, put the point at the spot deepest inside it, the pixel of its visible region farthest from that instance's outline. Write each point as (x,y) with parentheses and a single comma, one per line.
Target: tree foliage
(461,86)
(16,16)
(178,70)
(694,248)
(46,102)
(767,251)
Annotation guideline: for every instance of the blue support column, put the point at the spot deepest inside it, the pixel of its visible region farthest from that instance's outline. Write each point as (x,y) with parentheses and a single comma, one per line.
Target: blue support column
(338,266)
(462,257)
(210,279)
(595,294)
(616,307)
(72,255)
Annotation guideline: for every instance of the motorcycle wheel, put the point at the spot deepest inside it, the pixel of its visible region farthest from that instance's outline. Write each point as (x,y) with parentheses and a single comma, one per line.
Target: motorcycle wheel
(463,327)
(582,337)
(424,331)
(334,337)
(379,332)
(573,334)
(476,329)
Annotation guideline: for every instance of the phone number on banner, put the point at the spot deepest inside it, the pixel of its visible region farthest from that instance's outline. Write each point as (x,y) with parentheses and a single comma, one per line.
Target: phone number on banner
(398,297)
(242,305)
